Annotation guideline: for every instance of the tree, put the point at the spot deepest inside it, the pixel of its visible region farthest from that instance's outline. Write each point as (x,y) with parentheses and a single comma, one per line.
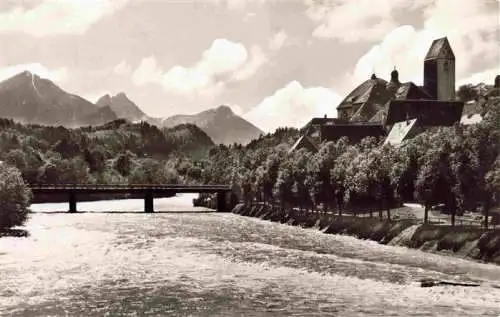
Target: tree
(17,158)
(124,163)
(340,176)
(319,180)
(492,180)
(15,197)
(435,181)
(467,93)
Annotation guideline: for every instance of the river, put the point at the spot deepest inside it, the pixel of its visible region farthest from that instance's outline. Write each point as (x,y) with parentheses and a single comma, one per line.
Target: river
(209,264)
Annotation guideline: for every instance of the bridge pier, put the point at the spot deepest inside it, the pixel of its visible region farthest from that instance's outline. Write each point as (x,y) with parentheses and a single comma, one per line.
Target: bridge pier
(221,202)
(72,202)
(148,202)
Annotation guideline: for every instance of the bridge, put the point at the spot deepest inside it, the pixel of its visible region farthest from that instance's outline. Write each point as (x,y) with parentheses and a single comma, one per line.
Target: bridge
(149,191)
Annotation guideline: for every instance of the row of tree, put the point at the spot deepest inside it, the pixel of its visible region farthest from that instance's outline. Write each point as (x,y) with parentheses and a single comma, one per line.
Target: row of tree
(457,166)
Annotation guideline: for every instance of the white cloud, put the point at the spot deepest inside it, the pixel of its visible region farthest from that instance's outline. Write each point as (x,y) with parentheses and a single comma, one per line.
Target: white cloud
(56,75)
(360,20)
(237,4)
(278,40)
(58,17)
(147,72)
(487,77)
(122,68)
(470,26)
(293,106)
(207,75)
(224,61)
(258,58)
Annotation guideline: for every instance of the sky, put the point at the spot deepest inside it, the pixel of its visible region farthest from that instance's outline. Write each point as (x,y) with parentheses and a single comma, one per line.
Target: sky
(274,62)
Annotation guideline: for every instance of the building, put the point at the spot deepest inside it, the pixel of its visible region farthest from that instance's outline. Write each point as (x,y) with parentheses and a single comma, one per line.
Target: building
(439,70)
(377,106)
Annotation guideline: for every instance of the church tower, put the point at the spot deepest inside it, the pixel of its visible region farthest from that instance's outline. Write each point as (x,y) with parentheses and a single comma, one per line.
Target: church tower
(439,70)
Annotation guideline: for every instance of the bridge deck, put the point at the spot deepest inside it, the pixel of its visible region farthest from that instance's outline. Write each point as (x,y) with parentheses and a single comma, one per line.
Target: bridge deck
(132,189)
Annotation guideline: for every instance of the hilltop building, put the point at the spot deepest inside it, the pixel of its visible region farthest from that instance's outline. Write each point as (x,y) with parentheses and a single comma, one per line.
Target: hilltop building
(376,106)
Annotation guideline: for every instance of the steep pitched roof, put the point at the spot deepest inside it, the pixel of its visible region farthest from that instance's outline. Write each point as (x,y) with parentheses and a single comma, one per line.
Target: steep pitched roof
(304,142)
(405,91)
(411,91)
(366,112)
(428,112)
(371,90)
(440,48)
(401,131)
(321,121)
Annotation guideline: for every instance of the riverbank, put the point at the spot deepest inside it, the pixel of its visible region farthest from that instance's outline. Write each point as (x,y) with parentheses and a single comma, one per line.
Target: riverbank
(462,241)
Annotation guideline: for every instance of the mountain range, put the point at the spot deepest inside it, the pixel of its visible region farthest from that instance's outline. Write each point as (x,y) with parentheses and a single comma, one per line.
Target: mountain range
(122,106)
(221,124)
(27,98)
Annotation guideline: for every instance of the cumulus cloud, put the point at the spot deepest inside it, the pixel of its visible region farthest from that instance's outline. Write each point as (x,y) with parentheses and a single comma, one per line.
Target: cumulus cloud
(470,26)
(122,68)
(147,72)
(56,75)
(224,61)
(258,58)
(57,17)
(293,106)
(352,21)
(278,40)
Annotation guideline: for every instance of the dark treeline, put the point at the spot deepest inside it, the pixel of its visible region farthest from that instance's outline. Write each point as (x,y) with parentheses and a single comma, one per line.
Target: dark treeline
(118,152)
(457,166)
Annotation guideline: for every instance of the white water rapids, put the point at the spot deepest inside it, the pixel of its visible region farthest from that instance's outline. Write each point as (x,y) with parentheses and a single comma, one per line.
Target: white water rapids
(207,264)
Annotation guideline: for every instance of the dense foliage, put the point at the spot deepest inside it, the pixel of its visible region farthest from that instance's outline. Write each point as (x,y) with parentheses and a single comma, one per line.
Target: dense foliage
(455,166)
(15,197)
(117,152)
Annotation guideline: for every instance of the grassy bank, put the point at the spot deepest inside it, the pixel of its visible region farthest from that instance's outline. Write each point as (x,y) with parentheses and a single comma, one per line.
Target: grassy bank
(463,241)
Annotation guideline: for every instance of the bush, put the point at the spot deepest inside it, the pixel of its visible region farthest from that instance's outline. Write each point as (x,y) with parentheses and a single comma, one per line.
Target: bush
(15,197)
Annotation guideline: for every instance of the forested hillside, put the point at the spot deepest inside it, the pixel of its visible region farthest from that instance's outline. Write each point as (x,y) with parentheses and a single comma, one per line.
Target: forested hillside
(116,152)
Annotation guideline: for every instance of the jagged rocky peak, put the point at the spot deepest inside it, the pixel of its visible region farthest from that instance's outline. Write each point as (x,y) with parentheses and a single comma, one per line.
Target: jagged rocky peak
(22,77)
(104,101)
(27,73)
(224,110)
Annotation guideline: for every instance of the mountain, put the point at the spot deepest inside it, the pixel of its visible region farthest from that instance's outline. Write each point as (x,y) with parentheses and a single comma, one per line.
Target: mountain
(28,98)
(122,106)
(220,124)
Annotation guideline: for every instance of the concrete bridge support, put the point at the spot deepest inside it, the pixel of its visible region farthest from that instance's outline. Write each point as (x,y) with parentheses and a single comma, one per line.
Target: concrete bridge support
(148,202)
(221,202)
(72,202)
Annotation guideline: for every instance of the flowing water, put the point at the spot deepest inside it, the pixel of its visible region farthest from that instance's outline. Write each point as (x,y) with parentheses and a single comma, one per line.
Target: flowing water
(208,264)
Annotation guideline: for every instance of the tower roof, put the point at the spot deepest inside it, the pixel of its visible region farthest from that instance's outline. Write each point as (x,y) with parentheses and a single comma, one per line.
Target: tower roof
(440,48)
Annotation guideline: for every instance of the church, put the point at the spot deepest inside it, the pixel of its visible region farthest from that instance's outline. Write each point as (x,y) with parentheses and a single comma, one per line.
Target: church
(391,109)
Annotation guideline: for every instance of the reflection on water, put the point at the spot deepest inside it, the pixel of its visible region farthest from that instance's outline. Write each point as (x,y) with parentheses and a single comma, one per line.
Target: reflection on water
(208,264)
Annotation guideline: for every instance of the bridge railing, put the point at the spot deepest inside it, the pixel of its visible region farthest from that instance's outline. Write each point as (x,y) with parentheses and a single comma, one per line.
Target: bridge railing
(126,186)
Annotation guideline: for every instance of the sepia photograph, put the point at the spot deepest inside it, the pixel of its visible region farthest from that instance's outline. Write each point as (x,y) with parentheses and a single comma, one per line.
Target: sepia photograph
(260,158)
